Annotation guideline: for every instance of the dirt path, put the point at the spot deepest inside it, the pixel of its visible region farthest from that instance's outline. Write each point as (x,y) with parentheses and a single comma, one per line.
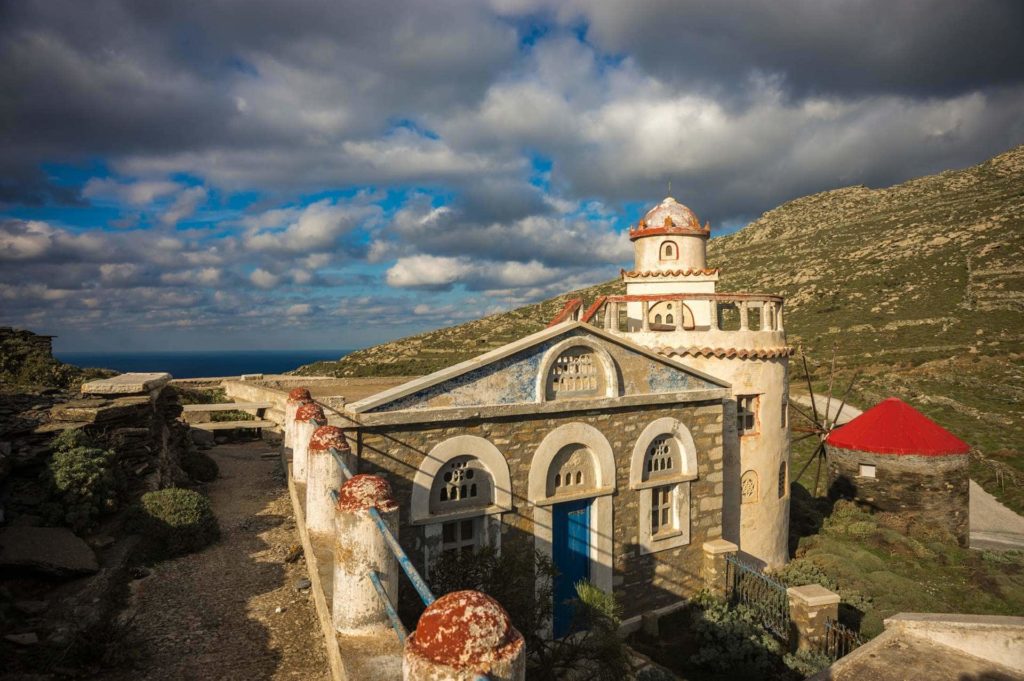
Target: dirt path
(214,615)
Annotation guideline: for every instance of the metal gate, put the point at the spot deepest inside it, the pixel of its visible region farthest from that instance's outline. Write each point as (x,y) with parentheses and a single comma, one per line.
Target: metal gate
(765,596)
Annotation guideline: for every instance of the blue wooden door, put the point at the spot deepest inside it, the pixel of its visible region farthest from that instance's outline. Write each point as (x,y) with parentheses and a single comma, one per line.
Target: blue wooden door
(570,552)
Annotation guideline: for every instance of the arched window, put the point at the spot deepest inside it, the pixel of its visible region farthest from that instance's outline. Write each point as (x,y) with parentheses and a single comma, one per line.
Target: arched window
(662,458)
(669,319)
(461,483)
(461,488)
(669,251)
(783,487)
(657,319)
(571,471)
(575,373)
(663,465)
(748,488)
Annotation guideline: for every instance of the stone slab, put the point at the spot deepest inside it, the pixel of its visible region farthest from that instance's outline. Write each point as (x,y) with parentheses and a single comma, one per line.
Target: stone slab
(99,410)
(127,384)
(53,551)
(813,595)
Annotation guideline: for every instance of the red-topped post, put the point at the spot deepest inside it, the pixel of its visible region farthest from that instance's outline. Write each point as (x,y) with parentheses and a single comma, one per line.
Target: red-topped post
(461,636)
(296,398)
(324,476)
(359,548)
(308,417)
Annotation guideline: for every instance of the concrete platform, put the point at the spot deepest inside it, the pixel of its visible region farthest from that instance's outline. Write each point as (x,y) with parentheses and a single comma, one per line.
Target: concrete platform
(127,384)
(937,647)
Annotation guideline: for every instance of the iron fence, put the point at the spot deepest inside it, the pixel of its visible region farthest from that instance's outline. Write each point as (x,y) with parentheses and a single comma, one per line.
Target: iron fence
(839,640)
(766,597)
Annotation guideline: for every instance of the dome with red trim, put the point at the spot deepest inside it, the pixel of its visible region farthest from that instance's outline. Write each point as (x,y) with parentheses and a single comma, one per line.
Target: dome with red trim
(668,217)
(894,427)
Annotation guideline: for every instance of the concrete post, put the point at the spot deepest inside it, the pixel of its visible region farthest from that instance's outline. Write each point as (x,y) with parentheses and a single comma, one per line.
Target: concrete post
(308,418)
(324,475)
(809,607)
(608,308)
(780,327)
(744,321)
(645,316)
(460,636)
(715,552)
(716,322)
(296,398)
(359,547)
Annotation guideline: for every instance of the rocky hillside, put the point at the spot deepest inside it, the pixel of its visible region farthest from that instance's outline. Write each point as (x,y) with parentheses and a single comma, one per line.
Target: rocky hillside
(919,287)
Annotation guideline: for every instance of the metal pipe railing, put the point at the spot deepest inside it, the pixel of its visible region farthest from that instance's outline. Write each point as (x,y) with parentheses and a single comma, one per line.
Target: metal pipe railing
(418,583)
(389,607)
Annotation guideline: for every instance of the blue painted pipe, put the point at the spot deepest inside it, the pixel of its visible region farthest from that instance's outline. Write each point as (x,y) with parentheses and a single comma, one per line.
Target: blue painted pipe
(340,460)
(403,560)
(396,623)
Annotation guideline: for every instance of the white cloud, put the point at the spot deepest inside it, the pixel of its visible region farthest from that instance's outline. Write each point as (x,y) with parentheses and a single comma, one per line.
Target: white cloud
(299,310)
(138,193)
(184,206)
(318,226)
(264,279)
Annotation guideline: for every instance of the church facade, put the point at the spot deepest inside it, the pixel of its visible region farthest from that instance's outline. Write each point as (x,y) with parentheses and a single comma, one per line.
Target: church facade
(604,442)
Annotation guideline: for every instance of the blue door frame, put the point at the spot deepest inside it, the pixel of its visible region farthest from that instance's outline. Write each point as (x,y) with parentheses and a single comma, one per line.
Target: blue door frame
(570,552)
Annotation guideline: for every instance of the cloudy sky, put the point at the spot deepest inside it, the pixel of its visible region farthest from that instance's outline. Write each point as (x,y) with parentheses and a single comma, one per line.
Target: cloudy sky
(299,174)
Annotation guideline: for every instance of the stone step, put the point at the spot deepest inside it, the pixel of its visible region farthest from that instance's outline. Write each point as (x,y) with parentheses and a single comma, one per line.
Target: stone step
(227,406)
(229,425)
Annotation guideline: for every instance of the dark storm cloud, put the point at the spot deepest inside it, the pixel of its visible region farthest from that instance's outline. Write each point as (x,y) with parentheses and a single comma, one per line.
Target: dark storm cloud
(514,154)
(912,47)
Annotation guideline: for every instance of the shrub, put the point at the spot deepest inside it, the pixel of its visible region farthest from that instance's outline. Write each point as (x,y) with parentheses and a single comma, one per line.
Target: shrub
(860,528)
(177,521)
(85,480)
(807,662)
(199,466)
(729,640)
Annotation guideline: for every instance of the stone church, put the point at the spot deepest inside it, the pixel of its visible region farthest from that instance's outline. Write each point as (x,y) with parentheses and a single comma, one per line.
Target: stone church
(616,441)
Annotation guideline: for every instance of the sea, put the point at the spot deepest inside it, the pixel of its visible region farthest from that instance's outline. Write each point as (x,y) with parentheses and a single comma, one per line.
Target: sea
(198,364)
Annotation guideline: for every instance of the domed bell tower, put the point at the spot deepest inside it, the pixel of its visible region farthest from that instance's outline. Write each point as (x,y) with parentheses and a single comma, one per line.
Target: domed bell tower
(672,306)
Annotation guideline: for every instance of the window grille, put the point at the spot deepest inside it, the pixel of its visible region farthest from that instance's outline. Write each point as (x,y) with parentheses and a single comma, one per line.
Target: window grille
(782,480)
(661,457)
(748,487)
(459,536)
(574,373)
(461,483)
(572,471)
(746,414)
(661,509)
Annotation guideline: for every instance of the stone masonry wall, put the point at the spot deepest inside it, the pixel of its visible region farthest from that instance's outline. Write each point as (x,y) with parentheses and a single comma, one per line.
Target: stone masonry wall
(934,489)
(642,582)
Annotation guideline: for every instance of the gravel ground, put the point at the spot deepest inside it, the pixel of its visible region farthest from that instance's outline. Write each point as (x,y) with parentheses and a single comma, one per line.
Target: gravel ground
(232,611)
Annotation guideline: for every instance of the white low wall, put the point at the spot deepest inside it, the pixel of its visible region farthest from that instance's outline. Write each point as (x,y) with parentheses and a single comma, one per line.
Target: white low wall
(990,637)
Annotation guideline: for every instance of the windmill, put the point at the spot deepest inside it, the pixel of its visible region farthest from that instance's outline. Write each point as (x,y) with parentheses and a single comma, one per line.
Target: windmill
(819,424)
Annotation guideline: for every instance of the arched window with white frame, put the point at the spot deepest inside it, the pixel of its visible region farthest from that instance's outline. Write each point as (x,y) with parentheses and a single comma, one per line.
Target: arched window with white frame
(664,463)
(459,492)
(669,250)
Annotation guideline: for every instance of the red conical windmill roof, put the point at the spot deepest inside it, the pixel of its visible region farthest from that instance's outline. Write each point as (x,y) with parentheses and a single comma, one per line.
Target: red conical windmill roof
(894,427)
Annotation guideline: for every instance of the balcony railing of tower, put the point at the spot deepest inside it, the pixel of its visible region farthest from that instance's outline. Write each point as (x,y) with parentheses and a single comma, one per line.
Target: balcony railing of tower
(693,312)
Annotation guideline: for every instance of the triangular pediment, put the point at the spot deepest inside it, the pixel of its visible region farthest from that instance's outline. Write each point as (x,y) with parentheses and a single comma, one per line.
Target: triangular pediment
(569,361)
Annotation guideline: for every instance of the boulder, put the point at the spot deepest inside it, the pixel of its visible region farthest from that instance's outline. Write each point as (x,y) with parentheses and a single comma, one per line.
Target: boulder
(53,551)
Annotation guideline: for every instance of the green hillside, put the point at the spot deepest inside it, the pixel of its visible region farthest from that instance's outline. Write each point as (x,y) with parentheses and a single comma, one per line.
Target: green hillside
(919,287)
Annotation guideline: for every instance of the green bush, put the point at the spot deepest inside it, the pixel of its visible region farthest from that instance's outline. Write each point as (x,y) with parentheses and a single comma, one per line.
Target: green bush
(199,466)
(729,640)
(807,662)
(177,521)
(85,479)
